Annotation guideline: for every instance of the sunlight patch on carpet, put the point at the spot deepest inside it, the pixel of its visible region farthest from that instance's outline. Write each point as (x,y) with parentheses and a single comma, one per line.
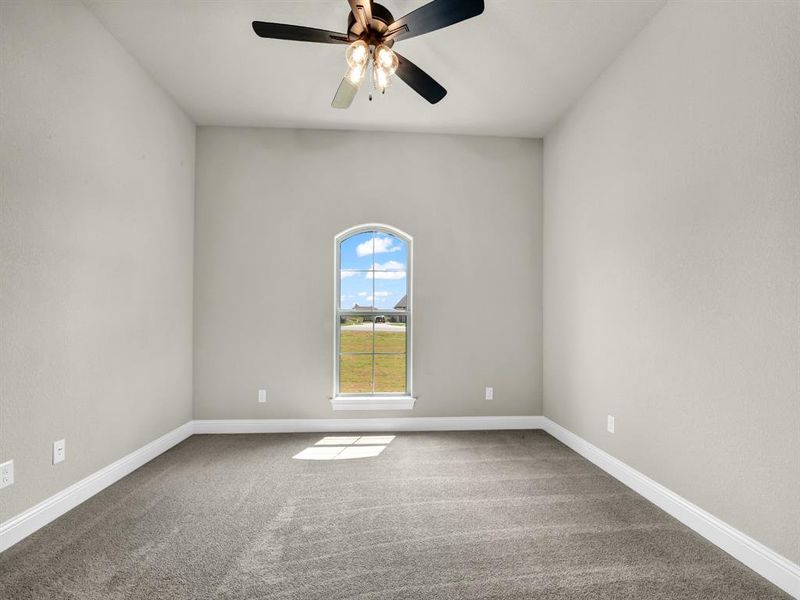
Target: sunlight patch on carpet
(340,447)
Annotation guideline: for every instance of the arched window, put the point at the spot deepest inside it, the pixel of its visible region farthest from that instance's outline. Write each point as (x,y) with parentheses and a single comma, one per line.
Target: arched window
(373,317)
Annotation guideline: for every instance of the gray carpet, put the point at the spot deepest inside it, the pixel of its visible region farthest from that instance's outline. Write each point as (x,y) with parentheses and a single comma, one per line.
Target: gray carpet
(509,514)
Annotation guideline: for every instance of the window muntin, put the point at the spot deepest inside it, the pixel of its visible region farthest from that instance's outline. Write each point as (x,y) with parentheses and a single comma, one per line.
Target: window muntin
(373,314)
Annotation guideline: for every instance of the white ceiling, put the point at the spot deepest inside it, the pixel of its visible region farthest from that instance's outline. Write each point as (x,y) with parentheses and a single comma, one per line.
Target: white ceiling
(512,71)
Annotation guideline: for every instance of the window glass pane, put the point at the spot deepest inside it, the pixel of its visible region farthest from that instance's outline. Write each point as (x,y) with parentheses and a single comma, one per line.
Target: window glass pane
(373,273)
(391,253)
(390,373)
(390,334)
(355,334)
(355,373)
(390,294)
(356,252)
(355,290)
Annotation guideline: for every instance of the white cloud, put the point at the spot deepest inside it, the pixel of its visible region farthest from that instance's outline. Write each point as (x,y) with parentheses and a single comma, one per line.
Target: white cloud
(394,273)
(382,245)
(346,274)
(366,296)
(364,248)
(386,275)
(391,265)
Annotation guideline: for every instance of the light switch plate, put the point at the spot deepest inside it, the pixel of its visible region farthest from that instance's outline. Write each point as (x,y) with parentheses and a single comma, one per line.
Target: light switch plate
(610,424)
(59,451)
(6,474)
(262,395)
(489,393)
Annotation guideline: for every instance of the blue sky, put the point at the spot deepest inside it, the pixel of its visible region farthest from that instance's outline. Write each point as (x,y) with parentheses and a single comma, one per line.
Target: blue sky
(361,267)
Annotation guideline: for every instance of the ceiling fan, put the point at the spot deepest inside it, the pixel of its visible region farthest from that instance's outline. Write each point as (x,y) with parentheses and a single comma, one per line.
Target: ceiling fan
(371,34)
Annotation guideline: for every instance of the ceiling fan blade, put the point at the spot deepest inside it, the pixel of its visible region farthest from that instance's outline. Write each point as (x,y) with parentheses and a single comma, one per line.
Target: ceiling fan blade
(362,10)
(432,16)
(345,94)
(280,31)
(419,81)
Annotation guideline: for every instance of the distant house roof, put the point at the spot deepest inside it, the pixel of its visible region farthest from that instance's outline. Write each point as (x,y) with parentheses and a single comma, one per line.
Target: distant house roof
(359,307)
(402,304)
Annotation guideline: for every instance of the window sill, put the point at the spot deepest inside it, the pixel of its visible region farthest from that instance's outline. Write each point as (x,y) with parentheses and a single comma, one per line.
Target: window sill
(373,403)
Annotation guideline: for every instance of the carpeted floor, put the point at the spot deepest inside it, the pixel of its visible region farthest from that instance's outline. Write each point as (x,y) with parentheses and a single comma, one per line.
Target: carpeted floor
(472,515)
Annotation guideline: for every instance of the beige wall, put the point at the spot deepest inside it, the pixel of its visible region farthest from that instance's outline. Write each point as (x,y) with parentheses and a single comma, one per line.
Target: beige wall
(96,213)
(672,262)
(269,203)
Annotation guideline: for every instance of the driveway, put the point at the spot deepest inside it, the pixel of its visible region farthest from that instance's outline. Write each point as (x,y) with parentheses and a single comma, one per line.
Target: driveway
(378,327)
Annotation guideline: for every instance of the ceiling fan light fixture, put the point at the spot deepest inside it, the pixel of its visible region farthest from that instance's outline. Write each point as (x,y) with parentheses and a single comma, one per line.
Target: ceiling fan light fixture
(357,54)
(386,59)
(369,38)
(356,74)
(381,78)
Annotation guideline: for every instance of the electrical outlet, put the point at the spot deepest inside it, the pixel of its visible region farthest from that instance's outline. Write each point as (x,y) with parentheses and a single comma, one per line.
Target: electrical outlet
(489,393)
(7,474)
(610,424)
(59,451)
(262,395)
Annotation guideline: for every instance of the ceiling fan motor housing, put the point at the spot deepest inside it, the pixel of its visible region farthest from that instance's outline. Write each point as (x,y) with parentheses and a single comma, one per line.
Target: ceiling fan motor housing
(381,19)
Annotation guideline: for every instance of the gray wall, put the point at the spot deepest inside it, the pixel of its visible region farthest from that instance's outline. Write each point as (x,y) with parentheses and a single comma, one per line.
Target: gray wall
(269,203)
(672,262)
(96,176)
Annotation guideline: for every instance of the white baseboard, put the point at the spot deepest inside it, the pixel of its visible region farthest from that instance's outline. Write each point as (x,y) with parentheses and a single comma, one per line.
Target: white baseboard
(364,425)
(767,563)
(25,523)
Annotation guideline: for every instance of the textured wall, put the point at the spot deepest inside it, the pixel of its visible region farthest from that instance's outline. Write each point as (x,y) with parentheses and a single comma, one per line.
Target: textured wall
(269,203)
(97,176)
(672,262)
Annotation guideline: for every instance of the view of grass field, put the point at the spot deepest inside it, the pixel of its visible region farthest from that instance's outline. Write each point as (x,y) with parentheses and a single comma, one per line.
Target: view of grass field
(355,370)
(361,341)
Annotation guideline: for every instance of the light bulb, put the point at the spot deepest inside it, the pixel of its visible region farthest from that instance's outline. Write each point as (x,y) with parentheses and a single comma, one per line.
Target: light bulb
(380,78)
(386,59)
(356,74)
(357,53)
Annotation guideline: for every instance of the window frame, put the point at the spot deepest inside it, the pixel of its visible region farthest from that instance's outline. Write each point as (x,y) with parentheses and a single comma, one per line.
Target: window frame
(372,400)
